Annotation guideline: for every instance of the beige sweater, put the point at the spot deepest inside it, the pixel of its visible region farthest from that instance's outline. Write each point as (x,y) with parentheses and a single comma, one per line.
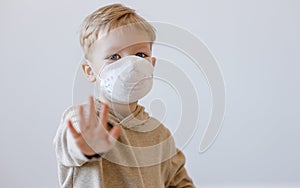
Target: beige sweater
(145,156)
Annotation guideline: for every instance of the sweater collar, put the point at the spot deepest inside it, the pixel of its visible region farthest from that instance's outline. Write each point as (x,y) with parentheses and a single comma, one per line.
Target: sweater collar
(135,121)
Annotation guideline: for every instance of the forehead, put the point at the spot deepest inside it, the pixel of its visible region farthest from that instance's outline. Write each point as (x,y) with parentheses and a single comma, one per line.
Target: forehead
(120,38)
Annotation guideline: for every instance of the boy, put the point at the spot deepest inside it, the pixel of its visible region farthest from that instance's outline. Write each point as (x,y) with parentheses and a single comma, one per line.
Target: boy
(112,141)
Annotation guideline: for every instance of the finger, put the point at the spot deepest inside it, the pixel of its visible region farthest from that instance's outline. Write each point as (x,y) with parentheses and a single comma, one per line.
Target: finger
(82,123)
(104,115)
(114,134)
(92,115)
(73,131)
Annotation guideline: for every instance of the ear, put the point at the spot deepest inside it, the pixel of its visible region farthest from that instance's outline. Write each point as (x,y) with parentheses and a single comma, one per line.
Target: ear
(153,60)
(88,72)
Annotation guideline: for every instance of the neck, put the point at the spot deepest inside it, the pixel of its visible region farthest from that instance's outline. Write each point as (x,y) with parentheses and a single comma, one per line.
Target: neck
(120,110)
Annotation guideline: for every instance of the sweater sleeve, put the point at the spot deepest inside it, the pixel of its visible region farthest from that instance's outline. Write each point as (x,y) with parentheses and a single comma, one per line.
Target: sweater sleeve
(178,174)
(67,152)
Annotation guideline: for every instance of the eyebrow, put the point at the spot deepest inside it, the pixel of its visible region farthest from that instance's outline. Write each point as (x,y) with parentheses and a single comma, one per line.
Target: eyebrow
(111,50)
(144,47)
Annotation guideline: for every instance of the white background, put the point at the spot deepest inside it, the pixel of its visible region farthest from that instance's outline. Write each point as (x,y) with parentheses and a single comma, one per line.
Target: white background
(256,43)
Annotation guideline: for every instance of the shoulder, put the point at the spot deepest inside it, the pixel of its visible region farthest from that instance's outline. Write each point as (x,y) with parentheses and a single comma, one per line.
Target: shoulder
(158,128)
(71,112)
(68,114)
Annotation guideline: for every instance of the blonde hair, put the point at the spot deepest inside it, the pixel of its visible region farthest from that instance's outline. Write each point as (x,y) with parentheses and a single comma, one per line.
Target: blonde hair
(107,18)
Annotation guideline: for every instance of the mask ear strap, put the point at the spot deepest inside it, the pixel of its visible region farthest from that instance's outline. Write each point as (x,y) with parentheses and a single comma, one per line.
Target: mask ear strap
(92,67)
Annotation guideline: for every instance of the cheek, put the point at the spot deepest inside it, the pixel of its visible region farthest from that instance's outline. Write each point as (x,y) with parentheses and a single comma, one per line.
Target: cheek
(153,61)
(149,59)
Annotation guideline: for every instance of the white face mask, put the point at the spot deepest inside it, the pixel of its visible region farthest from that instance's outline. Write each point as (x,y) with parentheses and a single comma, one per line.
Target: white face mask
(126,80)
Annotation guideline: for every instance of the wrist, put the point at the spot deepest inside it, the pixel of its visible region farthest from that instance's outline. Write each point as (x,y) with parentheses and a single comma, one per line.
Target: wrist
(96,155)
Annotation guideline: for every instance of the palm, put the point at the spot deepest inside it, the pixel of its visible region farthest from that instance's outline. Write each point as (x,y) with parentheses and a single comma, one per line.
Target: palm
(94,136)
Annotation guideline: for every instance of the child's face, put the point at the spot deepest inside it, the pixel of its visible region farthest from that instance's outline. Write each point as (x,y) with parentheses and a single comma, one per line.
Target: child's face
(115,45)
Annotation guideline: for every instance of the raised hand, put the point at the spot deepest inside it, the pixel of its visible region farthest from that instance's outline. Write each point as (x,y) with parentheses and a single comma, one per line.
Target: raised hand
(93,136)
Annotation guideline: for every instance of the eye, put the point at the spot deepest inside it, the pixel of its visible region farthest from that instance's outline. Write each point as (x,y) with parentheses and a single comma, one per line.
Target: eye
(141,54)
(114,57)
